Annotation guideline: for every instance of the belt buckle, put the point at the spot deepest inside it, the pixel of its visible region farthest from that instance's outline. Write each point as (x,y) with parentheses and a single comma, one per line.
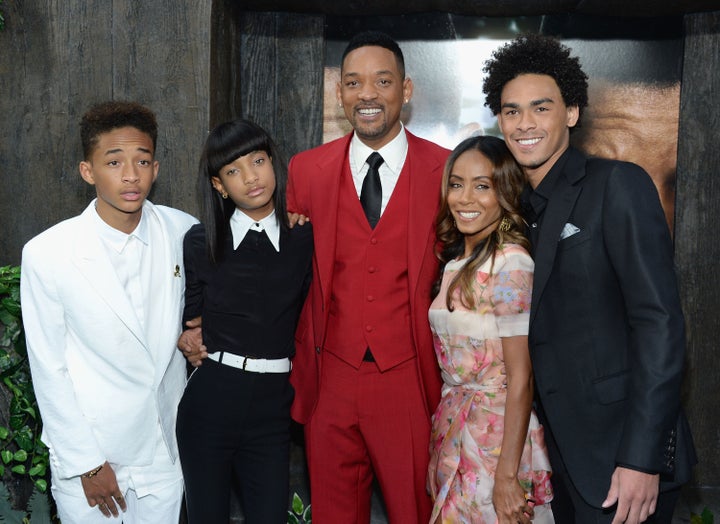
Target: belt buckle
(245,359)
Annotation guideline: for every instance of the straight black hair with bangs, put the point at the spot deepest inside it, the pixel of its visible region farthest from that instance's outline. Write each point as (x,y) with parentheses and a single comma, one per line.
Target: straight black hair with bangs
(226,143)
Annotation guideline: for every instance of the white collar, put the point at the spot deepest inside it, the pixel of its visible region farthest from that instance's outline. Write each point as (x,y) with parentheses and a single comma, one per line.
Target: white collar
(240,224)
(118,239)
(393,153)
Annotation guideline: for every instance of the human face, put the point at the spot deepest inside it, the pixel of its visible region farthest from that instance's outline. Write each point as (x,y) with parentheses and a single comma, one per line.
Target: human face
(535,123)
(249,181)
(372,91)
(122,169)
(471,198)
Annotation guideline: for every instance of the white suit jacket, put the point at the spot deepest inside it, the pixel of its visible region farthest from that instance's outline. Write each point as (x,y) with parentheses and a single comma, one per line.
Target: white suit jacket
(99,390)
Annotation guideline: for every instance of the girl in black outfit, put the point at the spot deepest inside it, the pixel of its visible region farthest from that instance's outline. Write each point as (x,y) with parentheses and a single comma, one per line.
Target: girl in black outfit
(247,277)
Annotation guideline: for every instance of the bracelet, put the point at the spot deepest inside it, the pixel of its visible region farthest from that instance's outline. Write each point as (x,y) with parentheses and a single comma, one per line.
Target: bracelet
(90,474)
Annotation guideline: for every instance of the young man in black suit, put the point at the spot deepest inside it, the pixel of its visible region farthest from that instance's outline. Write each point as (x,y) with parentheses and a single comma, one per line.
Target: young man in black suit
(606,328)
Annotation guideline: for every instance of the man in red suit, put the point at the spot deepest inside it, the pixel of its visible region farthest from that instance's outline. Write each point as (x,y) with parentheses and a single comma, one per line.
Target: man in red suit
(365,373)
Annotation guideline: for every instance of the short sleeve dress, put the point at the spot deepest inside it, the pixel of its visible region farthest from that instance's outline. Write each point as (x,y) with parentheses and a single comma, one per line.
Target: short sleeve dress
(467,426)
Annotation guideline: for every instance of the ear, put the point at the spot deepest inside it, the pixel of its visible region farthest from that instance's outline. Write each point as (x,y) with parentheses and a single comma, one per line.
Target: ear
(407,89)
(338,93)
(217,184)
(156,169)
(573,114)
(86,172)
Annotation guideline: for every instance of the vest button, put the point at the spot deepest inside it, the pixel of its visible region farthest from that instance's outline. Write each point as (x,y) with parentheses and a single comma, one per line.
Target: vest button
(368,328)
(370,298)
(372,269)
(317,349)
(373,241)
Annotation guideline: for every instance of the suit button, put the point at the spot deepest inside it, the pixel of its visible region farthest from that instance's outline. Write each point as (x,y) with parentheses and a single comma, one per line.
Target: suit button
(317,349)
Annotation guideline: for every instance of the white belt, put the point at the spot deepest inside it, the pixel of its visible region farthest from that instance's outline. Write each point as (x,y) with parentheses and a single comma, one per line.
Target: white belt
(256,365)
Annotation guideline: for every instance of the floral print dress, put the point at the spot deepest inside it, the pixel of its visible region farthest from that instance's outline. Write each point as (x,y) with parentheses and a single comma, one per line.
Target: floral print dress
(467,426)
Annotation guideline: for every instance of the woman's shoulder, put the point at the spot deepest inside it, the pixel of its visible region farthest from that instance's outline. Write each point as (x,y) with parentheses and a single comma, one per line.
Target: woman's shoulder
(300,233)
(195,237)
(514,256)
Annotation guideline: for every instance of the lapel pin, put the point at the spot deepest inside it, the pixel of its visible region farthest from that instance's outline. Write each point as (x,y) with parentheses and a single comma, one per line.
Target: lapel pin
(177,270)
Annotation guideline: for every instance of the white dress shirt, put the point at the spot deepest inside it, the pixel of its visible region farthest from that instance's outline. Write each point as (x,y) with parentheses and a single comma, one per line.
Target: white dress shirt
(394,154)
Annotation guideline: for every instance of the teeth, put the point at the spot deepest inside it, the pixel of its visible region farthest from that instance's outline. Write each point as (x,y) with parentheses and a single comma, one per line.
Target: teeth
(468,215)
(528,141)
(368,112)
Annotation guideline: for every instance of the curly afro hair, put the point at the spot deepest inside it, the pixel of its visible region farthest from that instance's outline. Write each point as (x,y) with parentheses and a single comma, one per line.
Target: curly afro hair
(540,55)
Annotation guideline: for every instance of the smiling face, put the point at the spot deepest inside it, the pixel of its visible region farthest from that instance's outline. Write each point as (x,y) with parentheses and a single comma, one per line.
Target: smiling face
(535,123)
(249,181)
(122,169)
(372,91)
(471,198)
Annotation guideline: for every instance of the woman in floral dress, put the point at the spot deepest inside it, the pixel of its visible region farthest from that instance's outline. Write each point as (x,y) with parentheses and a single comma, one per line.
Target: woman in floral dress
(488,459)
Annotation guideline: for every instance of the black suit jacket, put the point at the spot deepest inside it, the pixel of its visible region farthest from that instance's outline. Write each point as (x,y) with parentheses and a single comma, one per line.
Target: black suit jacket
(607,333)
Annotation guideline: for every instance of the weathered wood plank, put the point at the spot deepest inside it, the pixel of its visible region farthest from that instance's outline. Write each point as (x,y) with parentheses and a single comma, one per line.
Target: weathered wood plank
(696,246)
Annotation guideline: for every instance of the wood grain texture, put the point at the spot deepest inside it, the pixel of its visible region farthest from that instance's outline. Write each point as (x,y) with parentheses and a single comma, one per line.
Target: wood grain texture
(696,246)
(60,57)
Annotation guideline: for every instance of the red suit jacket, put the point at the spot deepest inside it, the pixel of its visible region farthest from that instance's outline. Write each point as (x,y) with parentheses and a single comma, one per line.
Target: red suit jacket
(313,190)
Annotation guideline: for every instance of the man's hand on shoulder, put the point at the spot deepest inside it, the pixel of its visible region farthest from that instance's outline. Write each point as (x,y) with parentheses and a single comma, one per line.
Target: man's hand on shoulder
(297,218)
(101,490)
(635,494)
(191,342)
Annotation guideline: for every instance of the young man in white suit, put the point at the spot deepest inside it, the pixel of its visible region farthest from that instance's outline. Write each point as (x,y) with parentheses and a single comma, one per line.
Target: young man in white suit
(102,297)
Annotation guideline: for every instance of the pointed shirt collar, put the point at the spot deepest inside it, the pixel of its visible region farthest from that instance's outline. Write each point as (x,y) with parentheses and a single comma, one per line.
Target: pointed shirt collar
(240,224)
(117,239)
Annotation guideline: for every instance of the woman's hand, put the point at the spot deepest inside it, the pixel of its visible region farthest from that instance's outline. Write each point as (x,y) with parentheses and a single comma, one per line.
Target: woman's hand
(511,505)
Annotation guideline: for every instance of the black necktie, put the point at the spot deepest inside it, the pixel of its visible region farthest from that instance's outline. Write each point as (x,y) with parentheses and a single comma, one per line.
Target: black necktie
(371,193)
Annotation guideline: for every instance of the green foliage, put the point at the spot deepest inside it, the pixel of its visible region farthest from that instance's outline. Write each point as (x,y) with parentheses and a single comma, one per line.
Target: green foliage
(22,454)
(2,19)
(706,517)
(299,514)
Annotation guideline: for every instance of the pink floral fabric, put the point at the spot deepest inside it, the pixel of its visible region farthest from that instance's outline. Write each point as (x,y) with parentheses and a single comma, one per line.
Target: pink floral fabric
(468,424)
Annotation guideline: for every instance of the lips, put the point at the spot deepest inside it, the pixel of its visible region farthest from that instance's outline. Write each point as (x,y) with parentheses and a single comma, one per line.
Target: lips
(256,191)
(131,195)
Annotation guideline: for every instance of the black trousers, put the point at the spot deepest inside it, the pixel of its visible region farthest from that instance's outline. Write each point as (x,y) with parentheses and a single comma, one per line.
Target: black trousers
(233,427)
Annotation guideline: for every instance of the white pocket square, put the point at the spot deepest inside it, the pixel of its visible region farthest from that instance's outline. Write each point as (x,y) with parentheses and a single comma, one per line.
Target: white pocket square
(568,231)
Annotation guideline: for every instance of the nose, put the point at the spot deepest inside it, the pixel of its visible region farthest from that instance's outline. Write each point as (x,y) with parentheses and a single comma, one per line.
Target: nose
(130,173)
(526,121)
(250,177)
(368,91)
(466,196)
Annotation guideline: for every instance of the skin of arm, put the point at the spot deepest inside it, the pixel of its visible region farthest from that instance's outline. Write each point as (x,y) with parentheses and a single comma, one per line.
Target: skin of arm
(508,498)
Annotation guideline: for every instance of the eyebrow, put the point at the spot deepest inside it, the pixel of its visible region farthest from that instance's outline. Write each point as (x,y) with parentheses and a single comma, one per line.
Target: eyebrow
(376,73)
(481,177)
(533,103)
(119,150)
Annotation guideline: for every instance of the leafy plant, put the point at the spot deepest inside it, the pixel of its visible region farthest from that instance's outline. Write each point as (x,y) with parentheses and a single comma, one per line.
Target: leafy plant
(706,517)
(22,454)
(299,514)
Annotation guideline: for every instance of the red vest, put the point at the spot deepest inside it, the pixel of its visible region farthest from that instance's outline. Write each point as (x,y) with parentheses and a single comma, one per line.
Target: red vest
(369,305)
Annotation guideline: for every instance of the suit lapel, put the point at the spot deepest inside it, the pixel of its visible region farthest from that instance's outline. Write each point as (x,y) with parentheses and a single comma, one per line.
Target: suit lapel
(555,216)
(326,188)
(92,261)
(423,204)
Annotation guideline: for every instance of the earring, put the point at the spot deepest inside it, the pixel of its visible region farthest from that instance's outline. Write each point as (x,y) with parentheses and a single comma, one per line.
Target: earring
(505,225)
(224,195)
(407,101)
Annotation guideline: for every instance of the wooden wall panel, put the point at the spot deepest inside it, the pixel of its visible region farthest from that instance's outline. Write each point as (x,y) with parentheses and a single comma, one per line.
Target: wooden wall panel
(57,59)
(697,217)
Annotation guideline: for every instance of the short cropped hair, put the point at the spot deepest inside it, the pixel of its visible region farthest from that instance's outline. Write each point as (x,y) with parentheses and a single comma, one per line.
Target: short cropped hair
(106,116)
(539,55)
(376,38)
